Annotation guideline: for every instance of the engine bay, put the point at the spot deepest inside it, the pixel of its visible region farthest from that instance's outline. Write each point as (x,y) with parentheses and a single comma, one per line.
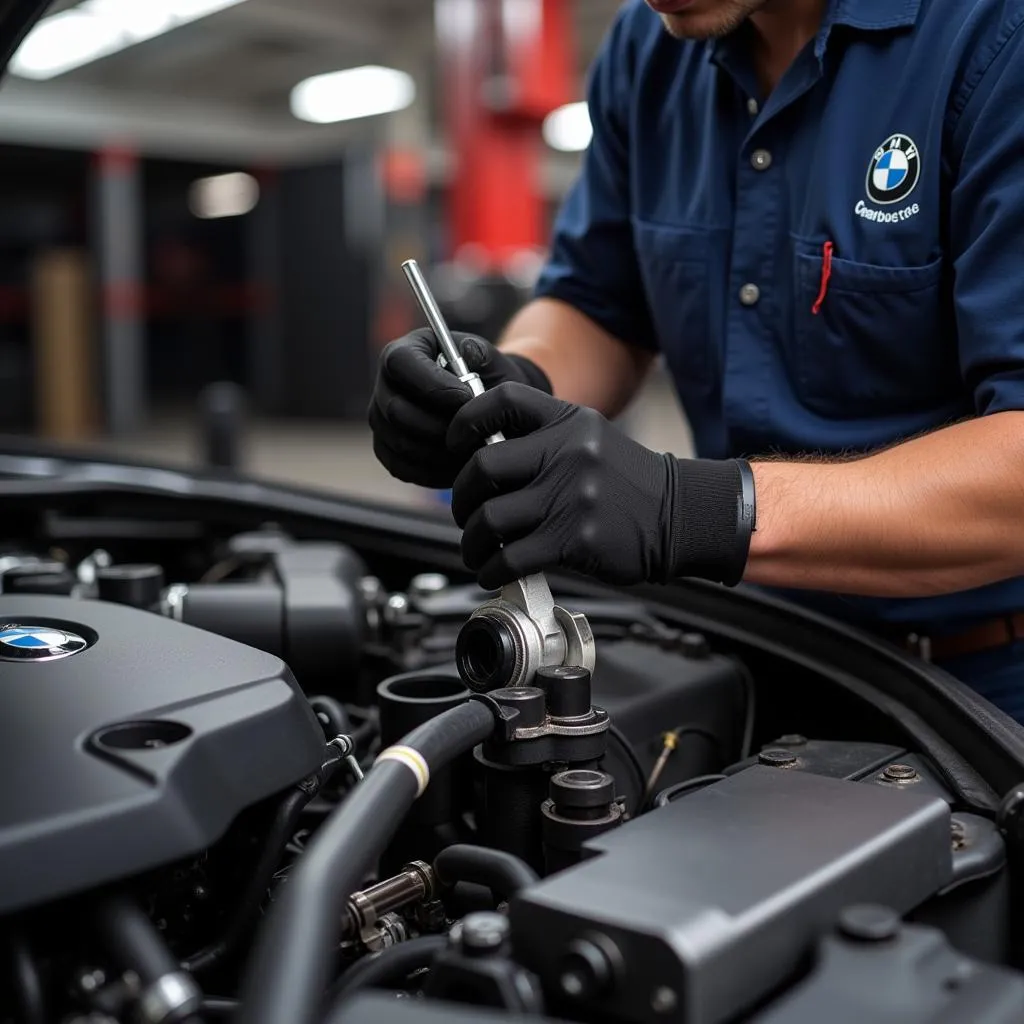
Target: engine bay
(267,778)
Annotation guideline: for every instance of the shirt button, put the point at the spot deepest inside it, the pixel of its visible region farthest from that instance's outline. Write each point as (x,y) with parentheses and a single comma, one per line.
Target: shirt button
(750,294)
(752,107)
(761,159)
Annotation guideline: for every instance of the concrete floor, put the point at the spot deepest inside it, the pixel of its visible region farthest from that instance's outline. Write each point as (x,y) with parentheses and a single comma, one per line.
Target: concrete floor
(339,457)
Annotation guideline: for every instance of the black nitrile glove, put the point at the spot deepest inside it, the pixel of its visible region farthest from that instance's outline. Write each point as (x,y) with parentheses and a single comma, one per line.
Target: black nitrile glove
(569,490)
(414,401)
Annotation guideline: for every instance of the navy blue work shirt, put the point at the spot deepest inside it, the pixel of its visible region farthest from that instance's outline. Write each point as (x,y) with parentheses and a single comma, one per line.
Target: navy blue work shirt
(835,269)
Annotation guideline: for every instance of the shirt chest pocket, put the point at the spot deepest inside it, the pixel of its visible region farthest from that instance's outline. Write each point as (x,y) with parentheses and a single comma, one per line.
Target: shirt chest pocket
(677,266)
(880,340)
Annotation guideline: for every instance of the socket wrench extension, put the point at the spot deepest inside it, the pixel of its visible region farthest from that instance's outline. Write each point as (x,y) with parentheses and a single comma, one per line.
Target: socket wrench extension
(506,640)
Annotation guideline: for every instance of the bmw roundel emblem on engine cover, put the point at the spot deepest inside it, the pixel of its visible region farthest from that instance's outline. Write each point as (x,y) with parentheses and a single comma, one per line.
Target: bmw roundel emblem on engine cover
(38,643)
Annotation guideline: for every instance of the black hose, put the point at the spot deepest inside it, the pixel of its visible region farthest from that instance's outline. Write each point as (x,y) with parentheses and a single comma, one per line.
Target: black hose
(632,762)
(283,827)
(389,967)
(133,941)
(338,723)
(750,713)
(502,873)
(368,726)
(29,997)
(287,974)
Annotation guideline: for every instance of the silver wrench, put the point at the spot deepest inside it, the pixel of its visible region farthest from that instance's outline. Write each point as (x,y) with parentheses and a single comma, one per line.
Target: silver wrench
(449,349)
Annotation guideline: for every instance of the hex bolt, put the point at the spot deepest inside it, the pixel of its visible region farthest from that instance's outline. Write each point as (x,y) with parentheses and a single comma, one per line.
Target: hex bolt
(483,932)
(900,773)
(777,758)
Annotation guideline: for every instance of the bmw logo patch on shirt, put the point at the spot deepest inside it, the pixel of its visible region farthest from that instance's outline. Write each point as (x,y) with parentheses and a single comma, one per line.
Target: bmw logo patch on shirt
(894,170)
(38,643)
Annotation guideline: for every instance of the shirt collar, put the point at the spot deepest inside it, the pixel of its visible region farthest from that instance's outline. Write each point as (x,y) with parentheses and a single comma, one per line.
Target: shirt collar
(863,15)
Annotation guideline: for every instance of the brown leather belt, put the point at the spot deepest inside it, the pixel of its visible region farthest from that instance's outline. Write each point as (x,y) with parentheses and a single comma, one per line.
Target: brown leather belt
(985,636)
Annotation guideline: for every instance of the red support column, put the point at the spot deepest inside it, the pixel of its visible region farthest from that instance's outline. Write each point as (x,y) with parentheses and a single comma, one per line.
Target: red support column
(506,64)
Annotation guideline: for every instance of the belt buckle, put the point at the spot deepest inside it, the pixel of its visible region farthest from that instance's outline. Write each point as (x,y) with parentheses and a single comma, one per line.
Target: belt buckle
(919,645)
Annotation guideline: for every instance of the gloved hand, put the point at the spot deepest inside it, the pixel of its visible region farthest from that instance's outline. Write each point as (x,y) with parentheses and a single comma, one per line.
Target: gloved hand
(569,490)
(414,401)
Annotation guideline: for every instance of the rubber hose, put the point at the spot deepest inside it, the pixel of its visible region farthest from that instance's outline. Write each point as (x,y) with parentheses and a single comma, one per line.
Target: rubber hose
(133,941)
(283,827)
(338,722)
(288,972)
(29,998)
(390,966)
(632,762)
(502,873)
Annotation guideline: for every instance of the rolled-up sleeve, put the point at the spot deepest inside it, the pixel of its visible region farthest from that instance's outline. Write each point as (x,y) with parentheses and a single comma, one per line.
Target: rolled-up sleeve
(593,265)
(986,223)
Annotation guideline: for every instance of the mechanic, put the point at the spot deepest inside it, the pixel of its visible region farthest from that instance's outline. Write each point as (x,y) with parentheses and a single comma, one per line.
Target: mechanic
(814,211)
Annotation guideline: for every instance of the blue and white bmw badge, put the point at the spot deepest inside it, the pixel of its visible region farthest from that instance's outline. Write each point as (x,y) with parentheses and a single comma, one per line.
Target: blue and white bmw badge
(38,643)
(894,170)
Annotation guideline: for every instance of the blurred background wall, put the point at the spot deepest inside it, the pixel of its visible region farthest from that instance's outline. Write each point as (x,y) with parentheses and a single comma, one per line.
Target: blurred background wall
(211,192)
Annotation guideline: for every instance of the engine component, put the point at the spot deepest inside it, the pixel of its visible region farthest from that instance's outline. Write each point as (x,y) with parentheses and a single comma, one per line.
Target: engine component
(139,586)
(288,972)
(581,806)
(878,969)
(735,880)
(974,909)
(502,873)
(127,749)
(476,969)
(407,701)
(390,967)
(648,691)
(53,578)
(305,605)
(161,991)
(515,769)
(834,758)
(507,640)
(367,908)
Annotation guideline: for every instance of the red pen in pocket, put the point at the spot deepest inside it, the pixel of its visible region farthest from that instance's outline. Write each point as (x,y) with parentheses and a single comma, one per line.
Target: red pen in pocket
(826,273)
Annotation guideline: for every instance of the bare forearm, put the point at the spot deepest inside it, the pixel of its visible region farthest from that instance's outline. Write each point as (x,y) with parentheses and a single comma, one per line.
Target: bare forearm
(585,364)
(937,514)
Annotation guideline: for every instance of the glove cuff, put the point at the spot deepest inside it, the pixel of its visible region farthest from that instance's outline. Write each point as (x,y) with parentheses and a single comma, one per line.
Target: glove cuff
(712,516)
(532,373)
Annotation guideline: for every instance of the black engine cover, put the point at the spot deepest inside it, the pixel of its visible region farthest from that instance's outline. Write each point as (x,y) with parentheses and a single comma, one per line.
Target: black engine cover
(128,741)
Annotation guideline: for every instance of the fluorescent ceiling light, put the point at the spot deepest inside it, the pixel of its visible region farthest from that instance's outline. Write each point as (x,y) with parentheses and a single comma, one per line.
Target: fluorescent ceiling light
(224,195)
(356,92)
(98,28)
(568,128)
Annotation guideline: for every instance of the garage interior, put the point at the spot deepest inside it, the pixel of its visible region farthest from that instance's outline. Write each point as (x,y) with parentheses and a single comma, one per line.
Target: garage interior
(122,298)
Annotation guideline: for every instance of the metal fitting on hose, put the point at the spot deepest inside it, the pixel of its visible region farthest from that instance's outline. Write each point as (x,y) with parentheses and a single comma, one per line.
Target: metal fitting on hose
(366,909)
(508,639)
